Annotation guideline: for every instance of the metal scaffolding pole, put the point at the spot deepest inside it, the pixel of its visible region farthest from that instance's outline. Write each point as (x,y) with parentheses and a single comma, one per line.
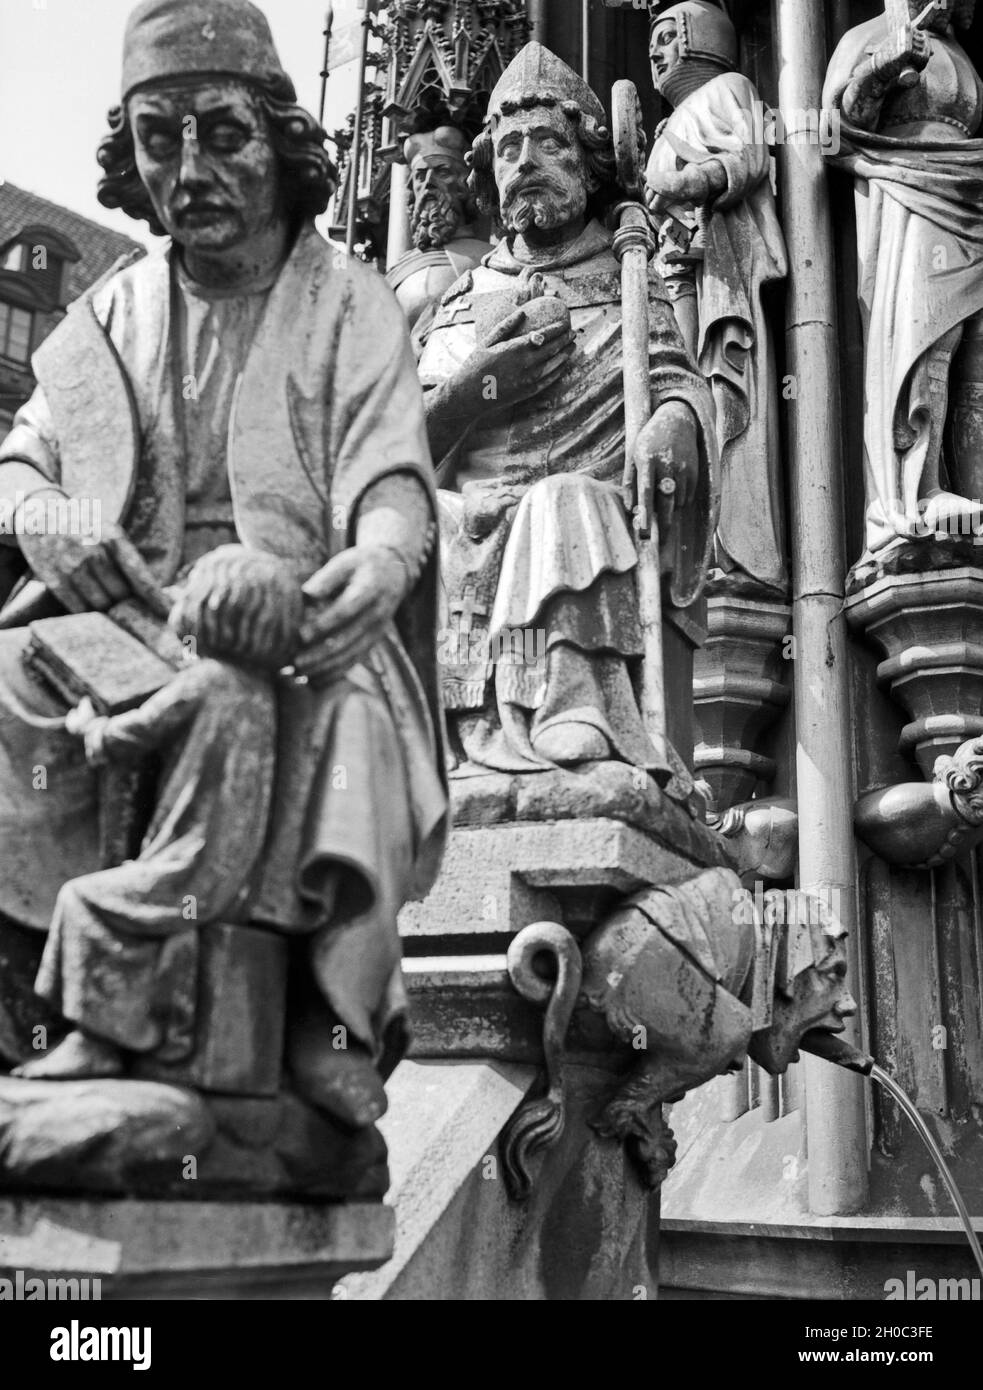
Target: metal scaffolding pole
(355,163)
(835,1102)
(537,17)
(328,26)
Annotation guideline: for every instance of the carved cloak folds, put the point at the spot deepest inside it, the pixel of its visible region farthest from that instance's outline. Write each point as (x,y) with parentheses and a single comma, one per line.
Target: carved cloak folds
(327,404)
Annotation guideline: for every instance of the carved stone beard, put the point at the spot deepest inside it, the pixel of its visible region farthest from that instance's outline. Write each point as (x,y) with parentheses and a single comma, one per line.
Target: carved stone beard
(546,210)
(436,217)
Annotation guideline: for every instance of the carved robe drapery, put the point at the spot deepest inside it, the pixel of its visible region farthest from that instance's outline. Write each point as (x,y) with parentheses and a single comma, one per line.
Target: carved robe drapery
(327,403)
(744,253)
(920,243)
(535,538)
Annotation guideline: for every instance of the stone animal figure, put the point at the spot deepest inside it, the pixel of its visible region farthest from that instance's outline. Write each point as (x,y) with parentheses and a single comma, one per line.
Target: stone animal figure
(696,978)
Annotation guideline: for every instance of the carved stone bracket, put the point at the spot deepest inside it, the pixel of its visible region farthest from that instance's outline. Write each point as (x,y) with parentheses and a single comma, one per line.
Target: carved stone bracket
(764,836)
(920,826)
(739,692)
(927,626)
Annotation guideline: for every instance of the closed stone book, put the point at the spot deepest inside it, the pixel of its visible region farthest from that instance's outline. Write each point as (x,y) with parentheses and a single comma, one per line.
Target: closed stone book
(88,654)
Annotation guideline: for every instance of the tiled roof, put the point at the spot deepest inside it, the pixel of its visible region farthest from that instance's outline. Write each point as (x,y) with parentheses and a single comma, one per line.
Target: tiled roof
(97,245)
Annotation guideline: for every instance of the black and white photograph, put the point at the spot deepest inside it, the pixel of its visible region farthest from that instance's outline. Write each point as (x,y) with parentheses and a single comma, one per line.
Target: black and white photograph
(491,669)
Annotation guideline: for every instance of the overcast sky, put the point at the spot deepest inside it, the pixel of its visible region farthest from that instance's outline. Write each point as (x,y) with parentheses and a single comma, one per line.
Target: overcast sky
(59,75)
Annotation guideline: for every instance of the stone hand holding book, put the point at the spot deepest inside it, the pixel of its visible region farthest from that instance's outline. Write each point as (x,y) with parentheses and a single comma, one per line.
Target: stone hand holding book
(241,613)
(126,672)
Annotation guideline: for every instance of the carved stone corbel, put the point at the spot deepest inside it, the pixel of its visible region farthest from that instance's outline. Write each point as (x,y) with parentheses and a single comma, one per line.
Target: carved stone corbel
(763,835)
(921,825)
(926,625)
(738,693)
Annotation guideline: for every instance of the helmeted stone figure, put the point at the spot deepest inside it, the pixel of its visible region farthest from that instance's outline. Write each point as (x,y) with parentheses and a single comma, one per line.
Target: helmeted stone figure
(523,372)
(721,248)
(910,104)
(242,386)
(442,214)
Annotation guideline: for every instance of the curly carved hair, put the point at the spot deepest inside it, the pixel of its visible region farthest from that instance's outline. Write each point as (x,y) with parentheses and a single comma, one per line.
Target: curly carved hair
(595,141)
(242,606)
(307,174)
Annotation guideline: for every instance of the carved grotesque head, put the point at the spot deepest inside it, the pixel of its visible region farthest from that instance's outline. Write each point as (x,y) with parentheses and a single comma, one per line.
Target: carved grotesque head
(546,151)
(810,989)
(440,200)
(686,35)
(242,606)
(208,143)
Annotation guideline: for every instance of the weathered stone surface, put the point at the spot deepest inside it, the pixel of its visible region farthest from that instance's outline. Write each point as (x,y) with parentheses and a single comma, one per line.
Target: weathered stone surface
(497,879)
(285,1146)
(582,1235)
(255,781)
(153,1250)
(21,1010)
(241,1006)
(916,489)
(926,627)
(466,1006)
(933,555)
(610,789)
(712,109)
(98,1136)
(738,693)
(114,1136)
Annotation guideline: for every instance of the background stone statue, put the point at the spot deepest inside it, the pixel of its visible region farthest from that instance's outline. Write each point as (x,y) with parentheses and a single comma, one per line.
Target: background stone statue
(911,103)
(244,406)
(523,372)
(441,223)
(709,184)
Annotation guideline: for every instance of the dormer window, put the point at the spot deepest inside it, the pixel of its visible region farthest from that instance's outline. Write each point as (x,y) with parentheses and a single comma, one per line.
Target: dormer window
(44,258)
(16,333)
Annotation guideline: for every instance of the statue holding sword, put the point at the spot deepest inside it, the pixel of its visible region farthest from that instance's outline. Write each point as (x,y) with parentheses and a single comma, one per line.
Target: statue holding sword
(575,447)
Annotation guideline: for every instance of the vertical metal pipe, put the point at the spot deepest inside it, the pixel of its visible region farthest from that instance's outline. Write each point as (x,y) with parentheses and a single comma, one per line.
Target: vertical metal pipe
(328,26)
(399,214)
(768,1090)
(733,1096)
(355,162)
(537,17)
(585,40)
(835,1115)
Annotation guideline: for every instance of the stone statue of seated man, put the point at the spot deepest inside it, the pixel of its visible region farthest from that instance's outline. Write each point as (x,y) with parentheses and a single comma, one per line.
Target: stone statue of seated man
(541,634)
(244,386)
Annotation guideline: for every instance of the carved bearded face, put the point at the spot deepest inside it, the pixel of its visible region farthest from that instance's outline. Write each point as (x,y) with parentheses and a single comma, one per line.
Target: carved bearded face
(664,52)
(820,999)
(206,157)
(540,170)
(440,199)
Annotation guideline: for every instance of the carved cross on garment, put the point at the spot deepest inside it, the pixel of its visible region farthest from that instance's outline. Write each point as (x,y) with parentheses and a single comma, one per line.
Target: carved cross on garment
(467,608)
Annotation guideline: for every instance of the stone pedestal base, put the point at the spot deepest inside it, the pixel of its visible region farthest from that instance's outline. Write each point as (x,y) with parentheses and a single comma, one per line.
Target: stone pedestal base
(503,1190)
(142,1137)
(166,1250)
